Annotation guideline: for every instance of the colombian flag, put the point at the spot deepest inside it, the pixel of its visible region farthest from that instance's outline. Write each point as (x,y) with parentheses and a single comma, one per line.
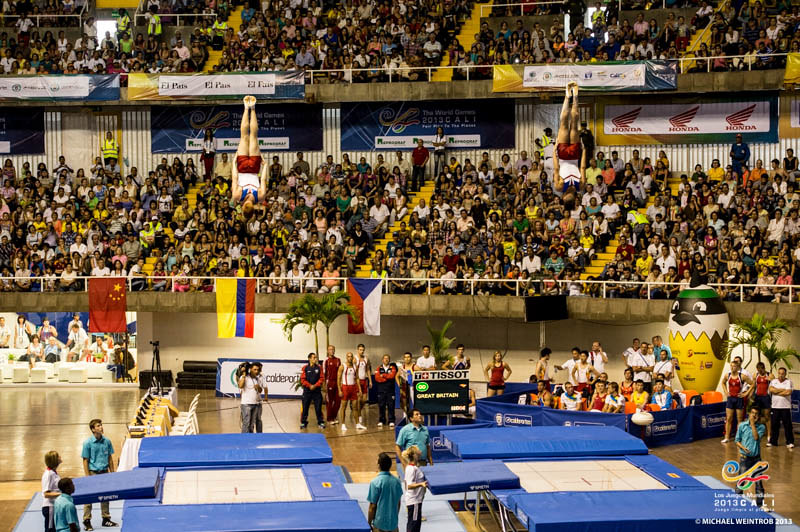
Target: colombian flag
(236,305)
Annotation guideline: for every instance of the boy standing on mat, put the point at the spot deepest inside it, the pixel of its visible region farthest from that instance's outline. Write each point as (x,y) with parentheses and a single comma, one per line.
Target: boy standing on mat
(98,458)
(249,176)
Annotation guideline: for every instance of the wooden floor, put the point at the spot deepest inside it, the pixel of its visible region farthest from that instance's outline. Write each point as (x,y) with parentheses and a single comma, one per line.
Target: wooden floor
(34,421)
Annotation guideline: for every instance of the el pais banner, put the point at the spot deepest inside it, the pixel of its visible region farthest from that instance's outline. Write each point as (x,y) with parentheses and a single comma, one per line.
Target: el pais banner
(280,127)
(690,120)
(21,131)
(472,124)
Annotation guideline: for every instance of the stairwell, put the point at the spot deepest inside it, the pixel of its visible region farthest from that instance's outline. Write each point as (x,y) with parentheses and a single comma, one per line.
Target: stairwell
(471,26)
(426,193)
(214,56)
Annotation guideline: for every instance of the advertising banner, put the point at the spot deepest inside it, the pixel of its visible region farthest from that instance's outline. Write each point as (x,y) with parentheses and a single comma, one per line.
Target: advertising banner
(613,76)
(440,447)
(280,375)
(568,418)
(708,421)
(296,127)
(796,406)
(792,73)
(669,427)
(21,131)
(468,124)
(441,392)
(57,88)
(262,85)
(689,122)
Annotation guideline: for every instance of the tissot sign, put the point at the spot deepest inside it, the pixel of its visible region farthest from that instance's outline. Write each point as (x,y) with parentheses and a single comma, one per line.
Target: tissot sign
(677,119)
(441,392)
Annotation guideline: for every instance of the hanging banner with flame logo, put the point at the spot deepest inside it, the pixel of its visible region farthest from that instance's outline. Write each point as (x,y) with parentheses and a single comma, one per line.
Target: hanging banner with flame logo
(690,122)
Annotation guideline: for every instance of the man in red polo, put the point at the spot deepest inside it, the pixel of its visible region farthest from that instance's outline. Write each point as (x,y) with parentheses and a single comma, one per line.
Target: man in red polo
(419,158)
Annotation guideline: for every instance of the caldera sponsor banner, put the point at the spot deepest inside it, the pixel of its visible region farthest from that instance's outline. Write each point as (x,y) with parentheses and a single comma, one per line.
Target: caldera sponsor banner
(552,76)
(469,124)
(690,122)
(280,375)
(668,427)
(264,85)
(54,88)
(21,131)
(280,127)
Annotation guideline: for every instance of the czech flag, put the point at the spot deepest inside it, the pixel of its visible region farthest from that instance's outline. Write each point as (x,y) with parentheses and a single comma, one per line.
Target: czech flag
(365,296)
(236,305)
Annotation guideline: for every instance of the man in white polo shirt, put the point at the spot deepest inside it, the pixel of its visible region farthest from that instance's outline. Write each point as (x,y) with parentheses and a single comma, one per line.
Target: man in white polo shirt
(426,361)
(598,357)
(781,390)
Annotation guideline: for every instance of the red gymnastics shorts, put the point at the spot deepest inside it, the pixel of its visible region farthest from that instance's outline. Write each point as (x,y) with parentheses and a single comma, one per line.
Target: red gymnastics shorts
(569,152)
(349,392)
(363,384)
(248,164)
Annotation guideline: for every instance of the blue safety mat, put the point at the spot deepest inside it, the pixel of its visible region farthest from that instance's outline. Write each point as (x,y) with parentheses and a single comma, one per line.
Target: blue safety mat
(323,516)
(508,442)
(325,482)
(639,511)
(135,484)
(234,450)
(664,472)
(458,477)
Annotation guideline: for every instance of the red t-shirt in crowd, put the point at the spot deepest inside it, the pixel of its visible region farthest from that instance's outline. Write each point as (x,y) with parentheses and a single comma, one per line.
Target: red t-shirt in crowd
(419,156)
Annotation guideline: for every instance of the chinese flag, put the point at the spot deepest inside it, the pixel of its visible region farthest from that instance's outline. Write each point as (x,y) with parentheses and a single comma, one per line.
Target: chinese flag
(107,304)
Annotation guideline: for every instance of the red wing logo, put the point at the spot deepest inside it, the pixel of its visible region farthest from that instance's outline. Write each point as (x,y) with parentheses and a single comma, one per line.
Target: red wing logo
(739,118)
(683,119)
(626,119)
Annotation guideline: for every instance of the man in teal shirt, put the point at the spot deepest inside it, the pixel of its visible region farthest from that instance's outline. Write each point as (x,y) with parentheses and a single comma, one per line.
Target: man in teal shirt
(384,496)
(748,440)
(415,433)
(97,454)
(65,516)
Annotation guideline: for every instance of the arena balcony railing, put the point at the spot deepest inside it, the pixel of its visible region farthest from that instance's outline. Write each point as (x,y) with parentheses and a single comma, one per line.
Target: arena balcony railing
(140,17)
(486,10)
(522,287)
(79,17)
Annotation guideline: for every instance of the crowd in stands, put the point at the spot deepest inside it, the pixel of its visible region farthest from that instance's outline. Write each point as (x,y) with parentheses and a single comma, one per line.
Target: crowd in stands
(498,223)
(395,35)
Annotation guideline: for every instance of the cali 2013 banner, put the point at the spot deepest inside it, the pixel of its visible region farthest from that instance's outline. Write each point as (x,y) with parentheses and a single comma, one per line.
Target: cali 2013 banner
(99,87)
(21,131)
(689,122)
(614,76)
(262,85)
(280,127)
(468,124)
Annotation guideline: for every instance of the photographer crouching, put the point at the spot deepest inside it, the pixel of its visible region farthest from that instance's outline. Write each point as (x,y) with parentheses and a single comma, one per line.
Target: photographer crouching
(252,384)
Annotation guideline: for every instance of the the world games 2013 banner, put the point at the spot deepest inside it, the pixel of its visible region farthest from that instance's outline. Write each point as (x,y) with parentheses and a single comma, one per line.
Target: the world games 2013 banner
(620,76)
(21,131)
(59,88)
(689,121)
(262,85)
(180,129)
(467,124)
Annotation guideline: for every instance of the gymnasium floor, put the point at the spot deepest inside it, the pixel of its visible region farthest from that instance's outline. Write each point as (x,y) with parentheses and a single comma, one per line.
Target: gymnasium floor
(36,420)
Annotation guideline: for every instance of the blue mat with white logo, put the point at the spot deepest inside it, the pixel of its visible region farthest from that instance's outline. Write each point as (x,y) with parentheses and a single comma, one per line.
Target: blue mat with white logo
(457,477)
(512,442)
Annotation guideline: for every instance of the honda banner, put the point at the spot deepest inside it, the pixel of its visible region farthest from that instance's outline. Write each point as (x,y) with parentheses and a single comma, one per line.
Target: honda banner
(690,122)
(280,376)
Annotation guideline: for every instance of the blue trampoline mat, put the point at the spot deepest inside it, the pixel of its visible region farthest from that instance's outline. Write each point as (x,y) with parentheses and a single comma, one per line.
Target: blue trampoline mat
(458,477)
(324,516)
(637,511)
(232,450)
(135,484)
(512,442)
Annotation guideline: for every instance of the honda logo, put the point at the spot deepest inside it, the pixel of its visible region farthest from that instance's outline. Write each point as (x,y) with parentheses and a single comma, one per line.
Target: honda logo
(622,123)
(738,120)
(680,122)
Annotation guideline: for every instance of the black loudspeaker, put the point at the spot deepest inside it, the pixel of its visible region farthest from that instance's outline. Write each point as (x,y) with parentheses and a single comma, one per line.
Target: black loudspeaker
(146,378)
(545,308)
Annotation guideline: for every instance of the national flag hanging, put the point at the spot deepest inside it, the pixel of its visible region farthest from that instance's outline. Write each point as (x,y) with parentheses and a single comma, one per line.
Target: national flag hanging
(365,296)
(236,306)
(107,305)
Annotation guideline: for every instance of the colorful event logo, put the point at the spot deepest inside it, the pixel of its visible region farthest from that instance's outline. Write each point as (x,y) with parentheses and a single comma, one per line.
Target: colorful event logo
(398,122)
(198,119)
(730,472)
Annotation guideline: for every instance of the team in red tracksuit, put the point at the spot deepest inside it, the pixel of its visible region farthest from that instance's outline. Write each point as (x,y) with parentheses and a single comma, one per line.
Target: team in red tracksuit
(331,370)
(385,383)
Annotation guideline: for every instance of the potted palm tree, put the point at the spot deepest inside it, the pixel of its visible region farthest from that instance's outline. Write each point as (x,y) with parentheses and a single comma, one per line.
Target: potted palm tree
(779,356)
(440,343)
(332,306)
(305,311)
(756,334)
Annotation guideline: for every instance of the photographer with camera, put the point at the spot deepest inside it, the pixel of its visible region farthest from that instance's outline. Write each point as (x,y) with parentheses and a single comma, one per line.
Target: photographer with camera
(252,383)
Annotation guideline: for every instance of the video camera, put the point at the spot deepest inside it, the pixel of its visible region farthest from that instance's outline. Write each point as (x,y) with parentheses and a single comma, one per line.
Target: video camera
(244,369)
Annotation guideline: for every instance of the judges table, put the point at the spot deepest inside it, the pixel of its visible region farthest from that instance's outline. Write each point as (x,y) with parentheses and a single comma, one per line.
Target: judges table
(157,419)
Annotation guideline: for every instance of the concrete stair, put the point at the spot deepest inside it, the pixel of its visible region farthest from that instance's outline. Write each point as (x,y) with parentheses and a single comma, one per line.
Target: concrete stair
(234,21)
(425,193)
(470,27)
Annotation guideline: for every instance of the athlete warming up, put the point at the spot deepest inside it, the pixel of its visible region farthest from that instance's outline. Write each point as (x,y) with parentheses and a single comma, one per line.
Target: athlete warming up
(249,175)
(569,161)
